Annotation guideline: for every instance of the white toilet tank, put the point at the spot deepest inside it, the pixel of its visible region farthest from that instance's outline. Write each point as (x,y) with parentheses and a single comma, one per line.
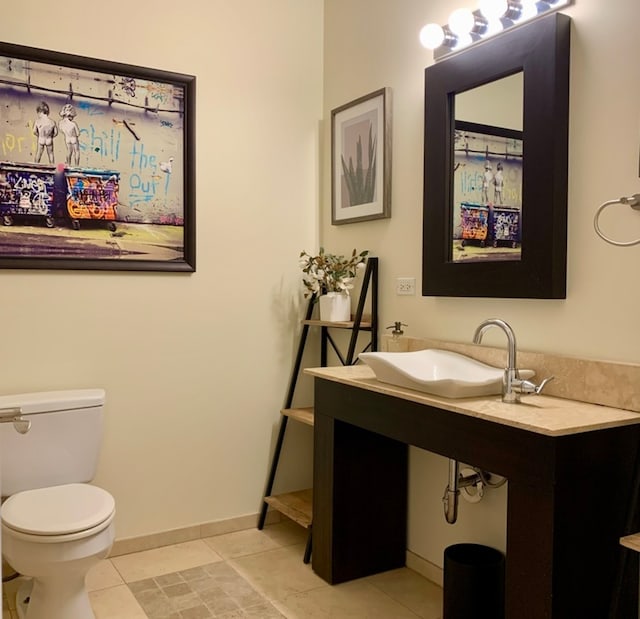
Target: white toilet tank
(62,445)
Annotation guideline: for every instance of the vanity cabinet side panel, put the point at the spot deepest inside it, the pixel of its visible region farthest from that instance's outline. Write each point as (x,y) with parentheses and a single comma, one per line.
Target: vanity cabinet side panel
(530,552)
(360,503)
(594,476)
(321,555)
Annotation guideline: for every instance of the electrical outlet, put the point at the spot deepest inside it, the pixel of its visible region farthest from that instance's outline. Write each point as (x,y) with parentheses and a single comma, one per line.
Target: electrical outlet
(406,285)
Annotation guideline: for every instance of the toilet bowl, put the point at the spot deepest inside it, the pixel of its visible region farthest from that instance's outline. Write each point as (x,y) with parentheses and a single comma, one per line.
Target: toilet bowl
(55,536)
(55,526)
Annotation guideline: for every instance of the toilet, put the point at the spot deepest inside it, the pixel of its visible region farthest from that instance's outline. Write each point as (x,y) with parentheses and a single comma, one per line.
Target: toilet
(55,526)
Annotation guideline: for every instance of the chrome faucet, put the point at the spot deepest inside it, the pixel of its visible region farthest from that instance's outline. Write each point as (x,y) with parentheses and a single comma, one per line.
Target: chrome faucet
(512,384)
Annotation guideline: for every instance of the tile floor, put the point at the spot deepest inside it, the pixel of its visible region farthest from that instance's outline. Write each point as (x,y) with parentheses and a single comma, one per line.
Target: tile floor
(249,573)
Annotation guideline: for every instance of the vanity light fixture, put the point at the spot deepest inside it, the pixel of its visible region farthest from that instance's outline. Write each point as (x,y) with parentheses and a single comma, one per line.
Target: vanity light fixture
(466,27)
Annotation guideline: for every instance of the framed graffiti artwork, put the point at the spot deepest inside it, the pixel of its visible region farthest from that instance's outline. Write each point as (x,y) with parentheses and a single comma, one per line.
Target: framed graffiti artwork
(97,166)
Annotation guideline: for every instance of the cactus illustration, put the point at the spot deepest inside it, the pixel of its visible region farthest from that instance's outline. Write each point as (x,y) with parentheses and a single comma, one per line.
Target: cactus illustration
(361,184)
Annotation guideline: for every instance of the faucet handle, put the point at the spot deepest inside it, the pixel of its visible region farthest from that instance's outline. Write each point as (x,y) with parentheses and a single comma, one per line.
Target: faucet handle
(527,386)
(541,386)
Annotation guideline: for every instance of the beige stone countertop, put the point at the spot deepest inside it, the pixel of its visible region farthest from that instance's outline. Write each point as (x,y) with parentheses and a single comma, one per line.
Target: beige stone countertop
(537,413)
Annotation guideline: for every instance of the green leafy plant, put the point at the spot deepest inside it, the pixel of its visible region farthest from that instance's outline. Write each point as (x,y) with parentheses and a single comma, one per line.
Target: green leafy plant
(329,272)
(360,185)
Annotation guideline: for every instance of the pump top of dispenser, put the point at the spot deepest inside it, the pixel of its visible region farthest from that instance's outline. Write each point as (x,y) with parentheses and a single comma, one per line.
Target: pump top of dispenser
(397,329)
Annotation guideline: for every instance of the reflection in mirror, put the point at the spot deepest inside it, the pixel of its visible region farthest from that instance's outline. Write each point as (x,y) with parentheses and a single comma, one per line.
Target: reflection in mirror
(499,103)
(487,172)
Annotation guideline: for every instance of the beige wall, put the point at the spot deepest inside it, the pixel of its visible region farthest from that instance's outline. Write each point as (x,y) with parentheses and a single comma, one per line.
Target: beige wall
(195,366)
(374,43)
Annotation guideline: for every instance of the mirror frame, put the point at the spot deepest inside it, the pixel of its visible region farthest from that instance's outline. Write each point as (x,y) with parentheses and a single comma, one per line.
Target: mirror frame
(541,50)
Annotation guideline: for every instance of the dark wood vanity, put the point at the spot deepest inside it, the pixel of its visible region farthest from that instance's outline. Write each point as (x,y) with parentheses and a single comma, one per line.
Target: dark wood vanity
(568,493)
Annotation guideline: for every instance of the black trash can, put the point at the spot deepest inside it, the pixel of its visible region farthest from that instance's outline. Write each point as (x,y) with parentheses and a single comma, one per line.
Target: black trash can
(473,582)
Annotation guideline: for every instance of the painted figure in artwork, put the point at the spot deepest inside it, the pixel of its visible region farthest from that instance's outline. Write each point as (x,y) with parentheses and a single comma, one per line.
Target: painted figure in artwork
(486,181)
(45,130)
(71,132)
(498,185)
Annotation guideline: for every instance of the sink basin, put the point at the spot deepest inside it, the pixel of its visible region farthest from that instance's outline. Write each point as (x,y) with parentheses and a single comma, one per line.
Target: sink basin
(438,372)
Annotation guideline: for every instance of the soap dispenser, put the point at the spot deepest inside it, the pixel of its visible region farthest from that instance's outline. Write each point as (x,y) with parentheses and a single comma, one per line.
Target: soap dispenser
(396,344)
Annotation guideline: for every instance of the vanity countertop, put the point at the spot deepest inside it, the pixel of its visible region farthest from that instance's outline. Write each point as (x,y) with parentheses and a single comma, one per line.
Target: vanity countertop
(536,413)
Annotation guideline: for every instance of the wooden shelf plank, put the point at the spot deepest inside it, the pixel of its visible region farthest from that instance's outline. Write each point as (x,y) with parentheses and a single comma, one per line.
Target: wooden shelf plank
(303,414)
(294,505)
(364,325)
(631,541)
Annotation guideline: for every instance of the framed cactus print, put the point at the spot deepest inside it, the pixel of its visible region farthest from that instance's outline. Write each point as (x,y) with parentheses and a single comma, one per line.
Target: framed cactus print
(361,159)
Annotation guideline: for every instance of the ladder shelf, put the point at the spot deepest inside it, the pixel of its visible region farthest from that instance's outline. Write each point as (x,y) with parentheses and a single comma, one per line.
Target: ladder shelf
(298,505)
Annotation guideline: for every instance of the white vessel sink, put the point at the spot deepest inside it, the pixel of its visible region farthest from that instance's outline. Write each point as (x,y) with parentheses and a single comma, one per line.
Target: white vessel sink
(438,372)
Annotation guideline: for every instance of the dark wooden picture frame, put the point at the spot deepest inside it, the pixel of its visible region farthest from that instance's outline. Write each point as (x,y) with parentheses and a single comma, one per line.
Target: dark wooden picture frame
(541,50)
(97,164)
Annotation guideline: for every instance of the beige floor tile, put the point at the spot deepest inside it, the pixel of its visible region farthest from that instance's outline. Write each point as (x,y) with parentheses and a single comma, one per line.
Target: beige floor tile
(102,576)
(242,543)
(164,560)
(352,600)
(411,590)
(206,591)
(286,533)
(115,603)
(236,524)
(278,573)
(251,541)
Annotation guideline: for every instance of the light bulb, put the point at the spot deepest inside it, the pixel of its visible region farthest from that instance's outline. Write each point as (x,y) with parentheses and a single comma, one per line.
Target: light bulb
(461,22)
(432,36)
(529,9)
(493,10)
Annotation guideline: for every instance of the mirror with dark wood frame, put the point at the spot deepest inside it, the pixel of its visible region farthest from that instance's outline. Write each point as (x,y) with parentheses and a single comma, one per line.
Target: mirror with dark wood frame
(495,166)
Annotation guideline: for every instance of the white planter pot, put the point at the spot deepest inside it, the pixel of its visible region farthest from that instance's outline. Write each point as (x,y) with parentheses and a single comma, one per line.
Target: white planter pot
(335,307)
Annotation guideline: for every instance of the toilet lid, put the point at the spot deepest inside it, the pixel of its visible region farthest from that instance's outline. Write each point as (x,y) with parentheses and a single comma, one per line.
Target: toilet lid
(58,510)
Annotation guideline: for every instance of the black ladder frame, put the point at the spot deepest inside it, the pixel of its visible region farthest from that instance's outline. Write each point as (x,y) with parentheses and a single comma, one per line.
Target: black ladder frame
(370,278)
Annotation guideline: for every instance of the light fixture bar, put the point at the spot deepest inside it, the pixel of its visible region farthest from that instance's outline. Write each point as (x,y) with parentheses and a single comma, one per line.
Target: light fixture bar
(468,27)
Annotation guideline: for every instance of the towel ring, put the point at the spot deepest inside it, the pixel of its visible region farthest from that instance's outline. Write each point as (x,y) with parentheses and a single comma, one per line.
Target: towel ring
(634,202)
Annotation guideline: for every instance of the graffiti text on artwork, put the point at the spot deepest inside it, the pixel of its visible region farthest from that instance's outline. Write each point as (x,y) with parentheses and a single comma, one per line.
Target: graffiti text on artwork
(34,191)
(102,143)
(159,92)
(470,181)
(144,181)
(12,145)
(141,191)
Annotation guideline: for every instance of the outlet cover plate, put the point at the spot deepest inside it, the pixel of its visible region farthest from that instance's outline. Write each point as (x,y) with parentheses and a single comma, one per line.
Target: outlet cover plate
(405,285)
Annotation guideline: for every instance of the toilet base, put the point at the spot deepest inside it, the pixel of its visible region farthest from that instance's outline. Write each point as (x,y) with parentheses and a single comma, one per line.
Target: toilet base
(22,598)
(36,601)
(58,568)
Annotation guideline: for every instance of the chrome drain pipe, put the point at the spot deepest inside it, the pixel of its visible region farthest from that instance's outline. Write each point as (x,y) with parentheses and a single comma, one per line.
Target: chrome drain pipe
(452,491)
